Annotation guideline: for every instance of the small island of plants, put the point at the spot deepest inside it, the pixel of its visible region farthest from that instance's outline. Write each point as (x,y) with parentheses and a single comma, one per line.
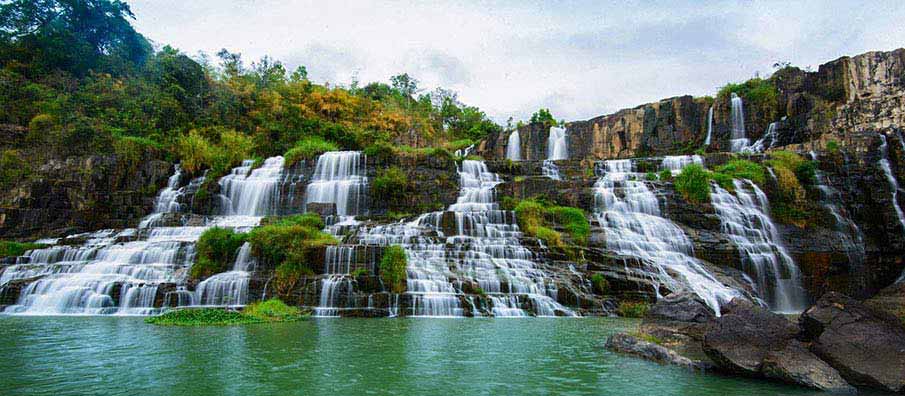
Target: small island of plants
(269,311)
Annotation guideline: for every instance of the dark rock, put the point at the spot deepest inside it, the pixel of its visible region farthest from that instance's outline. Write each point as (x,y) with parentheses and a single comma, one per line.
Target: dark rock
(624,343)
(681,307)
(739,340)
(796,364)
(866,346)
(323,209)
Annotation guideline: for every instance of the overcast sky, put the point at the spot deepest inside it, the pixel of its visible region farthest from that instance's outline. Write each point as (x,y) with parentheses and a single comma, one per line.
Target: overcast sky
(580,59)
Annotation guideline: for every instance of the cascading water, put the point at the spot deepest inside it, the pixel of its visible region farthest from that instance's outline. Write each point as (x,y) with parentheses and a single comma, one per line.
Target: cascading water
(709,126)
(629,212)
(847,229)
(339,178)
(514,147)
(557,149)
(891,178)
(134,272)
(765,142)
(738,140)
(228,288)
(337,269)
(675,163)
(744,220)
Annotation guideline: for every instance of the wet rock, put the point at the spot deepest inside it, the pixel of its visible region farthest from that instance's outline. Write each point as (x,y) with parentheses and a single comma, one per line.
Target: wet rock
(866,346)
(323,209)
(681,307)
(624,343)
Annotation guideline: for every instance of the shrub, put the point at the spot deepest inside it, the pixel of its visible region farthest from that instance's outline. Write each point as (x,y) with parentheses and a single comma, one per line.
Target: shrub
(308,148)
(665,174)
(390,184)
(15,249)
(694,184)
(441,153)
(758,93)
(529,214)
(381,151)
(459,144)
(289,244)
(574,221)
(215,251)
(743,169)
(13,168)
(194,152)
(393,268)
(650,176)
(632,309)
(601,285)
(272,310)
(832,147)
(790,189)
(548,235)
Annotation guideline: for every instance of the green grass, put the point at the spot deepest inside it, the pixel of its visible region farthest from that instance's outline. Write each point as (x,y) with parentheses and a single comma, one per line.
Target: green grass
(392,268)
(268,311)
(215,252)
(308,148)
(601,285)
(536,217)
(574,221)
(647,337)
(390,185)
(632,309)
(694,184)
(15,249)
(743,169)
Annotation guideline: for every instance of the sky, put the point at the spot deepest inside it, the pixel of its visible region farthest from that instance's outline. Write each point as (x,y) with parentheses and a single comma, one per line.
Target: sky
(580,59)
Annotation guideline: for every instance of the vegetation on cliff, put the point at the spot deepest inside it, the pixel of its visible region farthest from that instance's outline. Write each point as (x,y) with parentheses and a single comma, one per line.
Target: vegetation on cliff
(391,184)
(536,217)
(694,181)
(269,311)
(290,244)
(393,268)
(82,80)
(14,249)
(215,251)
(789,203)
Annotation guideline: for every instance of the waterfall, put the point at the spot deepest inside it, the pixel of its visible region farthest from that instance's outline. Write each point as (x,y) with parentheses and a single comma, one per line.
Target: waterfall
(744,219)
(709,126)
(891,178)
(464,152)
(136,271)
(675,163)
(847,229)
(337,283)
(629,212)
(248,192)
(738,140)
(765,142)
(228,288)
(514,147)
(557,149)
(339,178)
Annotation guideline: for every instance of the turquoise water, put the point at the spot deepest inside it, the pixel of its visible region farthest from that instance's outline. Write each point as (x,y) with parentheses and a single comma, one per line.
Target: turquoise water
(415,356)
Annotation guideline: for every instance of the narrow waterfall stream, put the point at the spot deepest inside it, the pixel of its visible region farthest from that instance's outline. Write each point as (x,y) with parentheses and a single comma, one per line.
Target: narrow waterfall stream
(738,140)
(891,178)
(845,226)
(709,126)
(629,212)
(135,271)
(744,220)
(514,147)
(675,163)
(557,149)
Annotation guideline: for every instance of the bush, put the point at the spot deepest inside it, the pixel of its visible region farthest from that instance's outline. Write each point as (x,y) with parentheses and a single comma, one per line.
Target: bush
(393,268)
(743,169)
(650,176)
(759,94)
(632,309)
(390,184)
(530,214)
(215,252)
(40,127)
(694,184)
(272,310)
(16,249)
(548,235)
(574,221)
(289,244)
(13,169)
(308,148)
(381,151)
(665,174)
(832,147)
(601,285)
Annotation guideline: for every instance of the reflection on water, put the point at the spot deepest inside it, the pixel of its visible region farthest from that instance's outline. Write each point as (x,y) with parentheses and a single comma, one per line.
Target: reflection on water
(79,355)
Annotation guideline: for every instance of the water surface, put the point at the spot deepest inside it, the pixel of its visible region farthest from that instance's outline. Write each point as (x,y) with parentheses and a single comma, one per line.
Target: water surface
(414,356)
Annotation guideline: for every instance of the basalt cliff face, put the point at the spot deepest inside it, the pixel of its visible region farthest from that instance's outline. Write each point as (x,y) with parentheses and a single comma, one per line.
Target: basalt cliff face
(468,252)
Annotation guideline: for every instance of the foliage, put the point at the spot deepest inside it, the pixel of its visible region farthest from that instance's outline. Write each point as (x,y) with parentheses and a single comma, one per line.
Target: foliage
(832,147)
(381,151)
(308,148)
(759,94)
(665,174)
(535,217)
(549,236)
(694,184)
(13,168)
(601,285)
(788,203)
(215,251)
(15,249)
(391,184)
(647,338)
(743,169)
(650,176)
(544,117)
(272,310)
(574,221)
(632,309)
(393,268)
(290,244)
(459,144)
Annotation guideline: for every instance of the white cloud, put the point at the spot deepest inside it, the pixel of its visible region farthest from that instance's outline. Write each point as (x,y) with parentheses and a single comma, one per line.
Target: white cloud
(580,59)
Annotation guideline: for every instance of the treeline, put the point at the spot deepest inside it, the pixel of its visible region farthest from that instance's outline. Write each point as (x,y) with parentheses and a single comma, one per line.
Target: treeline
(82,81)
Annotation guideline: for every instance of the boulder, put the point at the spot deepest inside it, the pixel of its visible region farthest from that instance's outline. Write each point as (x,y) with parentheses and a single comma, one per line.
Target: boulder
(866,346)
(752,341)
(624,343)
(796,364)
(681,307)
(739,340)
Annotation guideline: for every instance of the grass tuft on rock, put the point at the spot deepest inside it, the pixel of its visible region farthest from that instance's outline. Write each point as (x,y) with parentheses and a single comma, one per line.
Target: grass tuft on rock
(15,249)
(632,309)
(392,268)
(215,252)
(308,148)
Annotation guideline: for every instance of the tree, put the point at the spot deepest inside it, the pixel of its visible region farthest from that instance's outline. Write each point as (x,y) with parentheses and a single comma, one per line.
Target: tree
(543,116)
(71,35)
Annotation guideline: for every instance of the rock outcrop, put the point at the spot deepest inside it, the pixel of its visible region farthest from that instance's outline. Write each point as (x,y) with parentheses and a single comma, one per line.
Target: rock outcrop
(624,343)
